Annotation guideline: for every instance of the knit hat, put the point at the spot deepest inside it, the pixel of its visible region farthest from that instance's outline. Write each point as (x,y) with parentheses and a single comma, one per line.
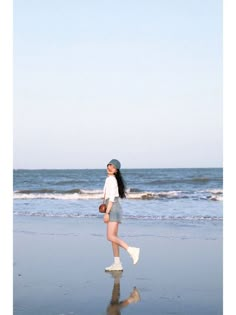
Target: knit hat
(116,163)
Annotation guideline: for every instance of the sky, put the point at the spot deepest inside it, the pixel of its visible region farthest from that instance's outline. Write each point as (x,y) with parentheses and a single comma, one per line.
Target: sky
(140,81)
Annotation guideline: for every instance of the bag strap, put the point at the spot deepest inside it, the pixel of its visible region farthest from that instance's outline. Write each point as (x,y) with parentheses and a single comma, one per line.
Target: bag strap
(104,195)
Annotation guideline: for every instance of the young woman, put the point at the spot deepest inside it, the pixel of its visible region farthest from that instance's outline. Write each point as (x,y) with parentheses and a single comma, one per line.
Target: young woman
(113,189)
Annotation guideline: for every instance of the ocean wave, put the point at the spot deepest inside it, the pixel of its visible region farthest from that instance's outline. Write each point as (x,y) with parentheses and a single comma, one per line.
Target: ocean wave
(81,194)
(171,217)
(130,217)
(39,191)
(216,194)
(69,182)
(200,180)
(154,195)
(60,196)
(89,194)
(216,198)
(215,191)
(54,191)
(128,190)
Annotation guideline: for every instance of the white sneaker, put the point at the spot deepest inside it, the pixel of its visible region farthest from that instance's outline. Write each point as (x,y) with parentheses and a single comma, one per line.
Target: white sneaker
(116,275)
(114,267)
(134,296)
(134,253)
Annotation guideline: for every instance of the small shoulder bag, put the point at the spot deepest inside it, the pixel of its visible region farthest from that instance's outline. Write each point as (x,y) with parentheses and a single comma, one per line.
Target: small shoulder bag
(103,207)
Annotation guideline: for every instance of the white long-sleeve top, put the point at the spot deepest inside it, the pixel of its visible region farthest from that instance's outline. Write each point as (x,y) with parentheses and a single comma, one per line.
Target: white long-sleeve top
(111,188)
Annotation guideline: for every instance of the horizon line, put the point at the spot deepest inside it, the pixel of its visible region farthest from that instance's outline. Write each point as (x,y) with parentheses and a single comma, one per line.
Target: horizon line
(135,168)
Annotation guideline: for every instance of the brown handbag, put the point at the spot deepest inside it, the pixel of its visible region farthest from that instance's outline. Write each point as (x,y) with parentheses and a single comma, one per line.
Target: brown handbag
(103,207)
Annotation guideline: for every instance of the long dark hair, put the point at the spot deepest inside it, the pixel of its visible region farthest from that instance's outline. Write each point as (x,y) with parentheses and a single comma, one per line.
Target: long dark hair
(121,184)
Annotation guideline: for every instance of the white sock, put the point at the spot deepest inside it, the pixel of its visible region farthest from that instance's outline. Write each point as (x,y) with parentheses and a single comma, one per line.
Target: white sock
(117,260)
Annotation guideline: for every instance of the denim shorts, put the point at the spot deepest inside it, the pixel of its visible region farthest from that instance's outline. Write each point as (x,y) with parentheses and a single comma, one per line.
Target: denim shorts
(116,211)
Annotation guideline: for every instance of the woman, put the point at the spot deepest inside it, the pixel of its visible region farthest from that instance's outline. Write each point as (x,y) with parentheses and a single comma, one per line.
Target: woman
(113,189)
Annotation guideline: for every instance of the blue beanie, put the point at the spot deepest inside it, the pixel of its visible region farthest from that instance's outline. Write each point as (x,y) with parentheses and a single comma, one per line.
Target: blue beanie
(116,163)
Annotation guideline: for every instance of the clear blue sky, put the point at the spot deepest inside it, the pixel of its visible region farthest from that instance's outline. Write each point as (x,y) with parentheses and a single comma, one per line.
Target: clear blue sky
(140,81)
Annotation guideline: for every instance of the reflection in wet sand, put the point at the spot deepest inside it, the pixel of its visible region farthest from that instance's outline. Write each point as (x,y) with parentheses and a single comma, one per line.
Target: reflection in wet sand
(115,306)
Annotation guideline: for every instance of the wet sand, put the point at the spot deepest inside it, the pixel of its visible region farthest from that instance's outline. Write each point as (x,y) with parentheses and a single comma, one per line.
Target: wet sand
(59,268)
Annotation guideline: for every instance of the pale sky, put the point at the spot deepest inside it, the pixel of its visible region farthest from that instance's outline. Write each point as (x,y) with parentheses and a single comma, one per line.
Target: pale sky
(140,81)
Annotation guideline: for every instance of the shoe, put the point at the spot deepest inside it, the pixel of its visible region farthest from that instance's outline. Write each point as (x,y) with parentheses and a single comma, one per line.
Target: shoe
(114,267)
(116,275)
(134,296)
(134,253)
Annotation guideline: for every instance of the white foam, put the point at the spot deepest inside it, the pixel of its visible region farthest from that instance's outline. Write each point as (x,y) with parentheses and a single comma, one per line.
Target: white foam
(132,217)
(216,194)
(74,196)
(94,191)
(216,198)
(215,191)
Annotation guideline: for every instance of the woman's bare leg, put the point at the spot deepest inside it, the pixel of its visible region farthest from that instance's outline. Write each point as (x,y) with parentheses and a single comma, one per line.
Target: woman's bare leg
(116,250)
(115,247)
(112,236)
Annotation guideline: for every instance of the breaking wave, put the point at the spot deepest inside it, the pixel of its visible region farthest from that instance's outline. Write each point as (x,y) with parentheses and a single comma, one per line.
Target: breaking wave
(75,194)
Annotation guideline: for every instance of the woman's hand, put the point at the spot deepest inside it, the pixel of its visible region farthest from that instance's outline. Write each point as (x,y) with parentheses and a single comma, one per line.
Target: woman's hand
(106,215)
(106,218)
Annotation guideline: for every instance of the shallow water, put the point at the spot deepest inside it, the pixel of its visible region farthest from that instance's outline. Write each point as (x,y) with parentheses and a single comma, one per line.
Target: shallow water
(152,194)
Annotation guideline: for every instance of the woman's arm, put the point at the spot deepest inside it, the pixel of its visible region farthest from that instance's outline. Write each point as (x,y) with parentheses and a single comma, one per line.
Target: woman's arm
(106,215)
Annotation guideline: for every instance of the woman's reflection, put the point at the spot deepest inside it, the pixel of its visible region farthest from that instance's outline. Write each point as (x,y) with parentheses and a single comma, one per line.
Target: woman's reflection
(115,306)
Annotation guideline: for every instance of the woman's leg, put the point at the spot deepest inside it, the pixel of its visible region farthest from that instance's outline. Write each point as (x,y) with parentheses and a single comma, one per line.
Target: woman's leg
(116,250)
(115,247)
(112,236)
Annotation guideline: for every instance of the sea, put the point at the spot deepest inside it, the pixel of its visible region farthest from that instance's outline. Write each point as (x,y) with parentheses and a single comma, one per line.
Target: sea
(185,194)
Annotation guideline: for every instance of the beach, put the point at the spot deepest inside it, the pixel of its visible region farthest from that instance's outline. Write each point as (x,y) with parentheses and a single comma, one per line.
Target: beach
(59,267)
(175,216)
